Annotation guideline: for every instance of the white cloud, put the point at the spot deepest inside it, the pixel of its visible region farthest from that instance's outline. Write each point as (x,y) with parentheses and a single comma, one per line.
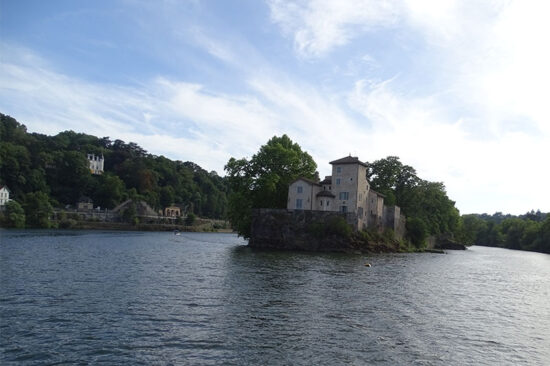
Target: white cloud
(478,173)
(318,26)
(181,120)
(482,127)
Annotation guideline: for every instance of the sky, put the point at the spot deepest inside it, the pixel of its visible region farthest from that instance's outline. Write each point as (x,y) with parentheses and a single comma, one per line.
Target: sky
(457,89)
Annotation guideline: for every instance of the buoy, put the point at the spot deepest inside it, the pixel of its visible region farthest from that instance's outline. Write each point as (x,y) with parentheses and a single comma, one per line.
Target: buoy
(367,265)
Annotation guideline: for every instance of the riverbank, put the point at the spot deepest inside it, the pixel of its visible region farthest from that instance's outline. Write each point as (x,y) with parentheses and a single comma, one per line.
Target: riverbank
(200,225)
(87,225)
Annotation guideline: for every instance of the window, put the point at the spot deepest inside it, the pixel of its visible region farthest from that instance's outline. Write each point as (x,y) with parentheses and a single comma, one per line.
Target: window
(344,196)
(328,203)
(321,203)
(338,170)
(360,212)
(299,189)
(343,208)
(337,181)
(298,203)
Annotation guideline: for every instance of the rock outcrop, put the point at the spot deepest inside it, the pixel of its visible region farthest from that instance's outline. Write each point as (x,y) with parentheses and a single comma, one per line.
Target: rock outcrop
(444,241)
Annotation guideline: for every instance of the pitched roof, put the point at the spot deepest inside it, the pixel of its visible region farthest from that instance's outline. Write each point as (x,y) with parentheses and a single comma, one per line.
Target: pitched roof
(325,194)
(377,193)
(7,189)
(348,160)
(327,180)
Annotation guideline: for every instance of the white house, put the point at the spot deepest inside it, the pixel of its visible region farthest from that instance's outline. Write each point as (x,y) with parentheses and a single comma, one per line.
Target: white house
(346,190)
(96,163)
(4,195)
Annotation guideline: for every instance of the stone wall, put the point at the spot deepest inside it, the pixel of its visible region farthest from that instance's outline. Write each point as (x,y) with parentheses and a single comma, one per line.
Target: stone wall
(297,230)
(394,220)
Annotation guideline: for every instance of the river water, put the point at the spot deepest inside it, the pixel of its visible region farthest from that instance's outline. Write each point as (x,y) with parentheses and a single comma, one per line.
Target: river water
(207,299)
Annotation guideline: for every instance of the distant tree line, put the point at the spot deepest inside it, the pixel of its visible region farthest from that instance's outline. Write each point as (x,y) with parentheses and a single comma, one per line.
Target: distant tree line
(530,231)
(52,171)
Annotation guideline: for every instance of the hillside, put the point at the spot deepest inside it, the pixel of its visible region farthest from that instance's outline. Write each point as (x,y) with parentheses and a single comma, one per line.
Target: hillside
(58,167)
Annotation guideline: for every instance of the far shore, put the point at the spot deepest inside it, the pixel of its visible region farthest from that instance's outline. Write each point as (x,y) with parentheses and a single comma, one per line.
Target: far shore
(121,226)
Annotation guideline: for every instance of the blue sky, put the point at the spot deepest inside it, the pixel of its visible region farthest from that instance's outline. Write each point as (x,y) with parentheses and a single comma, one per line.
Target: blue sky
(457,89)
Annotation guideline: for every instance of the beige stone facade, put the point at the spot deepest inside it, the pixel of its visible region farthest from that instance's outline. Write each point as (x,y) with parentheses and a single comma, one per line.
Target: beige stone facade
(346,190)
(172,211)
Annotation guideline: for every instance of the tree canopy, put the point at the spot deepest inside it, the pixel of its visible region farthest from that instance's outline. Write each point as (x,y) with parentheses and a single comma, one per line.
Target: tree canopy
(426,204)
(525,232)
(263,180)
(57,166)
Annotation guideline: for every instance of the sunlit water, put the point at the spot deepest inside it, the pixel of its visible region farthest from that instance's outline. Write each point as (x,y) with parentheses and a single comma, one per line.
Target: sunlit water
(202,299)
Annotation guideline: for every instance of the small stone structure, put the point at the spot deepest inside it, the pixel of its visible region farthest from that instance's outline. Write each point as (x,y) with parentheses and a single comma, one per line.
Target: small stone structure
(172,211)
(84,204)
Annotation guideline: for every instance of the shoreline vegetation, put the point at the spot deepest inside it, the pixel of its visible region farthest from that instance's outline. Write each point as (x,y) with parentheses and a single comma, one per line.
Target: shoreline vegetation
(209,227)
(47,175)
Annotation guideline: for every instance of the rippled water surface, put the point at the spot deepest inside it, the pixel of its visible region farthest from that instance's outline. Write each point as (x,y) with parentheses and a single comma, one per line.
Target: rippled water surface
(202,299)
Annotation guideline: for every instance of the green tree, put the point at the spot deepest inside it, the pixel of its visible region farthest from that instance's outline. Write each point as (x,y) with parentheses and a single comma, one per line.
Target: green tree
(393,179)
(418,198)
(14,215)
(471,226)
(542,242)
(129,215)
(190,219)
(167,196)
(38,209)
(110,191)
(263,181)
(417,231)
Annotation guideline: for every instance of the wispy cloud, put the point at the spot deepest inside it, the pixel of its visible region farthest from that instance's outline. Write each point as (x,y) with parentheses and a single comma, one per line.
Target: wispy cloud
(318,26)
(181,120)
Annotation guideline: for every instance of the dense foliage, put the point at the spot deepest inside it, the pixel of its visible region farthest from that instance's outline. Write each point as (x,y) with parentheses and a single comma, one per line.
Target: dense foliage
(263,180)
(35,166)
(526,232)
(428,209)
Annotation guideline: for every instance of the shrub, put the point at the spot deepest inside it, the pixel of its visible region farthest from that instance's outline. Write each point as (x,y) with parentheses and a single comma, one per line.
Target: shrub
(338,226)
(190,219)
(15,215)
(67,224)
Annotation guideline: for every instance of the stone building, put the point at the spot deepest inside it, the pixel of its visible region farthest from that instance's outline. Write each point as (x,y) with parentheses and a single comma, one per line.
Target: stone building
(96,163)
(84,204)
(346,190)
(172,211)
